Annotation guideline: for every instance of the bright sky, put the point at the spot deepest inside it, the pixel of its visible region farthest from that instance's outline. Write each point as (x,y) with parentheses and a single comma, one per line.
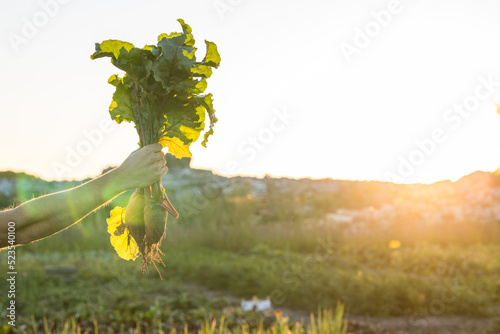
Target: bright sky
(369,90)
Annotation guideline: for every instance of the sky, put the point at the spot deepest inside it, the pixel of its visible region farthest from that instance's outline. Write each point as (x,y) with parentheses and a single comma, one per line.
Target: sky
(402,91)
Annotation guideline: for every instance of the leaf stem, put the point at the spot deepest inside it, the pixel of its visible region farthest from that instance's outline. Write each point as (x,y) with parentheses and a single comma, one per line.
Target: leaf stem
(143,138)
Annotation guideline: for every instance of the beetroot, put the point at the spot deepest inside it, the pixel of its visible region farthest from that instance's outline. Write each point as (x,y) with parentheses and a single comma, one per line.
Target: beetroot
(134,217)
(162,93)
(155,222)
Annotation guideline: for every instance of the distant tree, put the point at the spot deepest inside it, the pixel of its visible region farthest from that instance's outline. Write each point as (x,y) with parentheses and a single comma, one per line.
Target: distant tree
(105,170)
(174,163)
(5,201)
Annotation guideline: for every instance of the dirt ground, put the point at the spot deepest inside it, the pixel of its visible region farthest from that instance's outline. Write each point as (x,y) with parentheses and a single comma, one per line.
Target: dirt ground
(390,325)
(404,325)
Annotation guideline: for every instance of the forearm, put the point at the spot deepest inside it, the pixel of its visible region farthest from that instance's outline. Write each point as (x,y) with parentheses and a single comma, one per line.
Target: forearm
(50,214)
(44,216)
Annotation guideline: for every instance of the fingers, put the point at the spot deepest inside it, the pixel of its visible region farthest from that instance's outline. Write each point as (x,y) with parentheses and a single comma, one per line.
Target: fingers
(160,155)
(161,163)
(160,168)
(150,157)
(163,171)
(155,147)
(155,158)
(156,154)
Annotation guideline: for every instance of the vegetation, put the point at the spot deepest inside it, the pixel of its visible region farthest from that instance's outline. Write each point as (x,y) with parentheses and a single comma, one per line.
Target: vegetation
(230,244)
(162,94)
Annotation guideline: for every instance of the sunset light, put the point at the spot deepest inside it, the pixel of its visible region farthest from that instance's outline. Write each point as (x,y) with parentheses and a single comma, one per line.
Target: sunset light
(413,98)
(250,167)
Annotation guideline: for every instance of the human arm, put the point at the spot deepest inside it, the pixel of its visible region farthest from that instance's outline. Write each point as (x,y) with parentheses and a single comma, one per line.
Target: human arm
(46,215)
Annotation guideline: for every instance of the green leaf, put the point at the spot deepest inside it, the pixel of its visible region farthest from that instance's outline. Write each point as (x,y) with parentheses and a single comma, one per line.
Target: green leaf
(184,121)
(168,36)
(200,87)
(110,48)
(186,29)
(163,88)
(176,147)
(115,80)
(208,104)
(136,62)
(121,108)
(161,92)
(120,237)
(173,66)
(200,70)
(212,58)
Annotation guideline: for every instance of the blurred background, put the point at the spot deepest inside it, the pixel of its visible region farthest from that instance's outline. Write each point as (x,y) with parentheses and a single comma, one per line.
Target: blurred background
(354,161)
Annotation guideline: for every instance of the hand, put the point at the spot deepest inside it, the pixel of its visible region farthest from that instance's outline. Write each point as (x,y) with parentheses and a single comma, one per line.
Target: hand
(142,167)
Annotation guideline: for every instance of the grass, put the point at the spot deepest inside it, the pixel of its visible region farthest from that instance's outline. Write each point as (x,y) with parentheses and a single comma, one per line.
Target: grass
(297,264)
(324,322)
(370,278)
(367,288)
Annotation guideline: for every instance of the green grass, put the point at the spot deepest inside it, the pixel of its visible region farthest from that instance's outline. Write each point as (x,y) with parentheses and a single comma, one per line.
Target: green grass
(297,264)
(370,278)
(305,282)
(325,322)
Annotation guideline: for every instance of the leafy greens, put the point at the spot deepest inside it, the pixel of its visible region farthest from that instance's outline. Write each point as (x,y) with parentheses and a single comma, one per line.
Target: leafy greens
(161,92)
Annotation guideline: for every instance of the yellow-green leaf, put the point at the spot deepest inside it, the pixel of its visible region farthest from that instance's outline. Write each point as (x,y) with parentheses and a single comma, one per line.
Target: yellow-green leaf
(212,58)
(162,90)
(168,36)
(201,71)
(186,29)
(121,107)
(110,47)
(121,239)
(176,147)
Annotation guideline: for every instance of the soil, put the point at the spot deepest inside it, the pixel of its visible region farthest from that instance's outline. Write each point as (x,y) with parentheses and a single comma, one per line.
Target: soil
(387,325)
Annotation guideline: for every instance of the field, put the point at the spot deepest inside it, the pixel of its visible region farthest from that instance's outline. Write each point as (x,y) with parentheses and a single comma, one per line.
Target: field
(333,162)
(404,284)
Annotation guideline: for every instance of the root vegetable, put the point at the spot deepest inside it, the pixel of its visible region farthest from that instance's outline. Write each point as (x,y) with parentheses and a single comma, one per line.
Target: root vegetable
(162,93)
(134,217)
(155,219)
